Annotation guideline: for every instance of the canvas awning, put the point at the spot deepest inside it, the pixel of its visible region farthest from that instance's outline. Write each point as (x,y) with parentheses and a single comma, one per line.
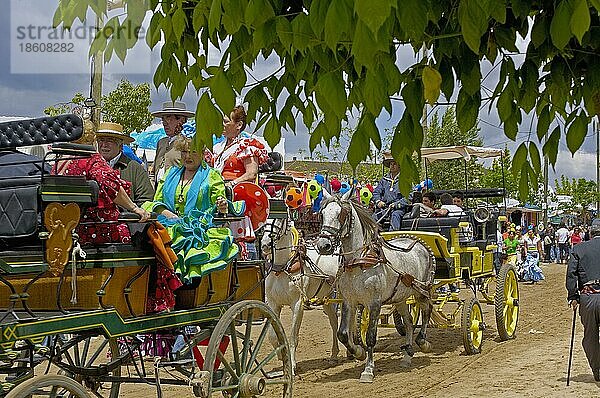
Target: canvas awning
(459,152)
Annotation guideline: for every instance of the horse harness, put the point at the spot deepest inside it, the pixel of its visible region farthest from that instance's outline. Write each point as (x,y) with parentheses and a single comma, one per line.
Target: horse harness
(333,234)
(294,267)
(372,255)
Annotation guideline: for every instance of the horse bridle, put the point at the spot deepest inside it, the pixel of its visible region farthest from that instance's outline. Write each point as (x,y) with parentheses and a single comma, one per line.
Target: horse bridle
(276,232)
(332,234)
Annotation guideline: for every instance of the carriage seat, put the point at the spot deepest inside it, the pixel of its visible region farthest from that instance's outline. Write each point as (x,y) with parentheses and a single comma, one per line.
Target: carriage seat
(441,225)
(19,207)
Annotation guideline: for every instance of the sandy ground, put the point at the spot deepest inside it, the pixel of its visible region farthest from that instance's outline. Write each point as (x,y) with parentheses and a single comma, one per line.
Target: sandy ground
(532,365)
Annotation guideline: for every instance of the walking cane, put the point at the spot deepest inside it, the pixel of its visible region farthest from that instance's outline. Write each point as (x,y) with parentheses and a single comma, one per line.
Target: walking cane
(571,349)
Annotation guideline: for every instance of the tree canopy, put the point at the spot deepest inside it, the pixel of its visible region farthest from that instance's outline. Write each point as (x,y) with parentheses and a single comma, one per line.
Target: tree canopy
(339,59)
(127,105)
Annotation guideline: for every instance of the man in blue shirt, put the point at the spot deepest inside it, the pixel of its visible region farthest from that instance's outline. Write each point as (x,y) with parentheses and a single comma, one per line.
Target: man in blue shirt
(389,202)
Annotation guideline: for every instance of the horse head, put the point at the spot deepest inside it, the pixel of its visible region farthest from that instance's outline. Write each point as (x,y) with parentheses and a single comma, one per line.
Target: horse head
(337,222)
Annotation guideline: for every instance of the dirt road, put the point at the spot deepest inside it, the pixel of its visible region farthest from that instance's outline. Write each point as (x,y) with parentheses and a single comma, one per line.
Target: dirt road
(532,365)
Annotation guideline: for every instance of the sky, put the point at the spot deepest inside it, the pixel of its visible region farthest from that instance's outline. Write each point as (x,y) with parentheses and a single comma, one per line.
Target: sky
(32,80)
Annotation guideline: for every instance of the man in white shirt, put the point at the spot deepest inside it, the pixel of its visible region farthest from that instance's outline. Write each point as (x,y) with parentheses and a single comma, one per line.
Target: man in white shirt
(562,239)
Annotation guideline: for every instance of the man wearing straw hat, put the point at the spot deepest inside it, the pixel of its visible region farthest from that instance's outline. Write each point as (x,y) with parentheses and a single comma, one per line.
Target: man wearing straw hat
(173,116)
(110,139)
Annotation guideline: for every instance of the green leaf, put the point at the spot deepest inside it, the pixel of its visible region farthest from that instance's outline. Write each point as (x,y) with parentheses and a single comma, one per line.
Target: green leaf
(330,90)
(373,13)
(179,23)
(317,14)
(412,94)
(432,81)
(374,92)
(209,121)
(543,122)
(540,30)
(447,86)
(534,156)
(316,136)
(576,133)
(467,110)
(337,22)
(471,77)
(511,125)
(596,4)
(214,17)
(412,16)
(272,133)
(154,32)
(221,89)
(473,23)
(359,147)
(550,148)
(530,88)
(284,32)
(519,159)
(580,19)
(258,12)
(560,30)
(524,182)
(505,105)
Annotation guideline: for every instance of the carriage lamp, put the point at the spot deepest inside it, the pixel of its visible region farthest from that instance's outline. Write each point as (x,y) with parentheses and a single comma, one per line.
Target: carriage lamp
(89,102)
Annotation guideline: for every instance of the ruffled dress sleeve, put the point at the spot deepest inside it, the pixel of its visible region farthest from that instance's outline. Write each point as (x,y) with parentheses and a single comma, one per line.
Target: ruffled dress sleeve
(249,147)
(108,179)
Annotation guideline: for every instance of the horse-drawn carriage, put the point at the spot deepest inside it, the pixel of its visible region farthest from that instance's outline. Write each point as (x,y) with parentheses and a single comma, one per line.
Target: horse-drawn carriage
(408,269)
(75,325)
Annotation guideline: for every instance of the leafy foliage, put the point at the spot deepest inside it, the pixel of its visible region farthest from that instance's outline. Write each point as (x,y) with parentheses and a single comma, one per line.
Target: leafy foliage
(339,57)
(127,105)
(582,192)
(450,174)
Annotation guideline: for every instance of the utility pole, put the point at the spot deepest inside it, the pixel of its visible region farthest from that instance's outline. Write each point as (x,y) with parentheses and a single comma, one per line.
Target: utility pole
(597,168)
(96,85)
(546,189)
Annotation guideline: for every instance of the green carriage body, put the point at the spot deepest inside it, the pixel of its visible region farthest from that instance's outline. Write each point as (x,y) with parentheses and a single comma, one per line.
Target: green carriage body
(104,294)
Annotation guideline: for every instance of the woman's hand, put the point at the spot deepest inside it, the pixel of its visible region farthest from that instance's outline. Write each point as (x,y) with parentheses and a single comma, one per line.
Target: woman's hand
(168,214)
(222,205)
(144,215)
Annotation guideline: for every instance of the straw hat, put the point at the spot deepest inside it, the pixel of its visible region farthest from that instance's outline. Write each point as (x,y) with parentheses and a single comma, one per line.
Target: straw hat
(114,130)
(173,108)
(387,159)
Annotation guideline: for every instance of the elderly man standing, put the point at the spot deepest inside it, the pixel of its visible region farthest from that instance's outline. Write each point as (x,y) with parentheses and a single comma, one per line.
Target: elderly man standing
(583,286)
(110,138)
(387,197)
(173,116)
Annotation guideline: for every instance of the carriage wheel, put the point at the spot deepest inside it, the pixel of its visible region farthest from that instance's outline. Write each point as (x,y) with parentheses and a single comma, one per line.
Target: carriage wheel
(248,365)
(472,326)
(49,386)
(507,302)
(89,357)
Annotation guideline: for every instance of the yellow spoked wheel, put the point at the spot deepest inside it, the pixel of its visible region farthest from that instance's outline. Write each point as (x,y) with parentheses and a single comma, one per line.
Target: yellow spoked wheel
(362,324)
(507,302)
(415,312)
(472,326)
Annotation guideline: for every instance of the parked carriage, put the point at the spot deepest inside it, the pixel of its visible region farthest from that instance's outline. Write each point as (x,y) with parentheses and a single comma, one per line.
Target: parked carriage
(73,324)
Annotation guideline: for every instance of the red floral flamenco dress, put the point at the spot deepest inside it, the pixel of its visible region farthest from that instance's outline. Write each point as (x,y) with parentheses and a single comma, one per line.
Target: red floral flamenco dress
(229,160)
(98,232)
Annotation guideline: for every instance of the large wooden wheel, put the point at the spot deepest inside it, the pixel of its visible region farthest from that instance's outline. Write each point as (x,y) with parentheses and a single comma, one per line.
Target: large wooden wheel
(472,326)
(51,386)
(240,362)
(87,358)
(506,302)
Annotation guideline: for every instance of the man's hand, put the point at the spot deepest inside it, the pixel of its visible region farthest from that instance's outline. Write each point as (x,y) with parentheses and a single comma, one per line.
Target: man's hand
(573,304)
(381,204)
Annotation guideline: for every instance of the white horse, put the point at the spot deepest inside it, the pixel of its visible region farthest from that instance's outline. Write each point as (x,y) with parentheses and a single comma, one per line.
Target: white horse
(298,273)
(375,272)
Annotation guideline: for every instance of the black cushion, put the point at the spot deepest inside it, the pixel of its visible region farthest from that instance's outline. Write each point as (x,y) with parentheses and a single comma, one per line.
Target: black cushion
(274,163)
(18,211)
(40,131)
